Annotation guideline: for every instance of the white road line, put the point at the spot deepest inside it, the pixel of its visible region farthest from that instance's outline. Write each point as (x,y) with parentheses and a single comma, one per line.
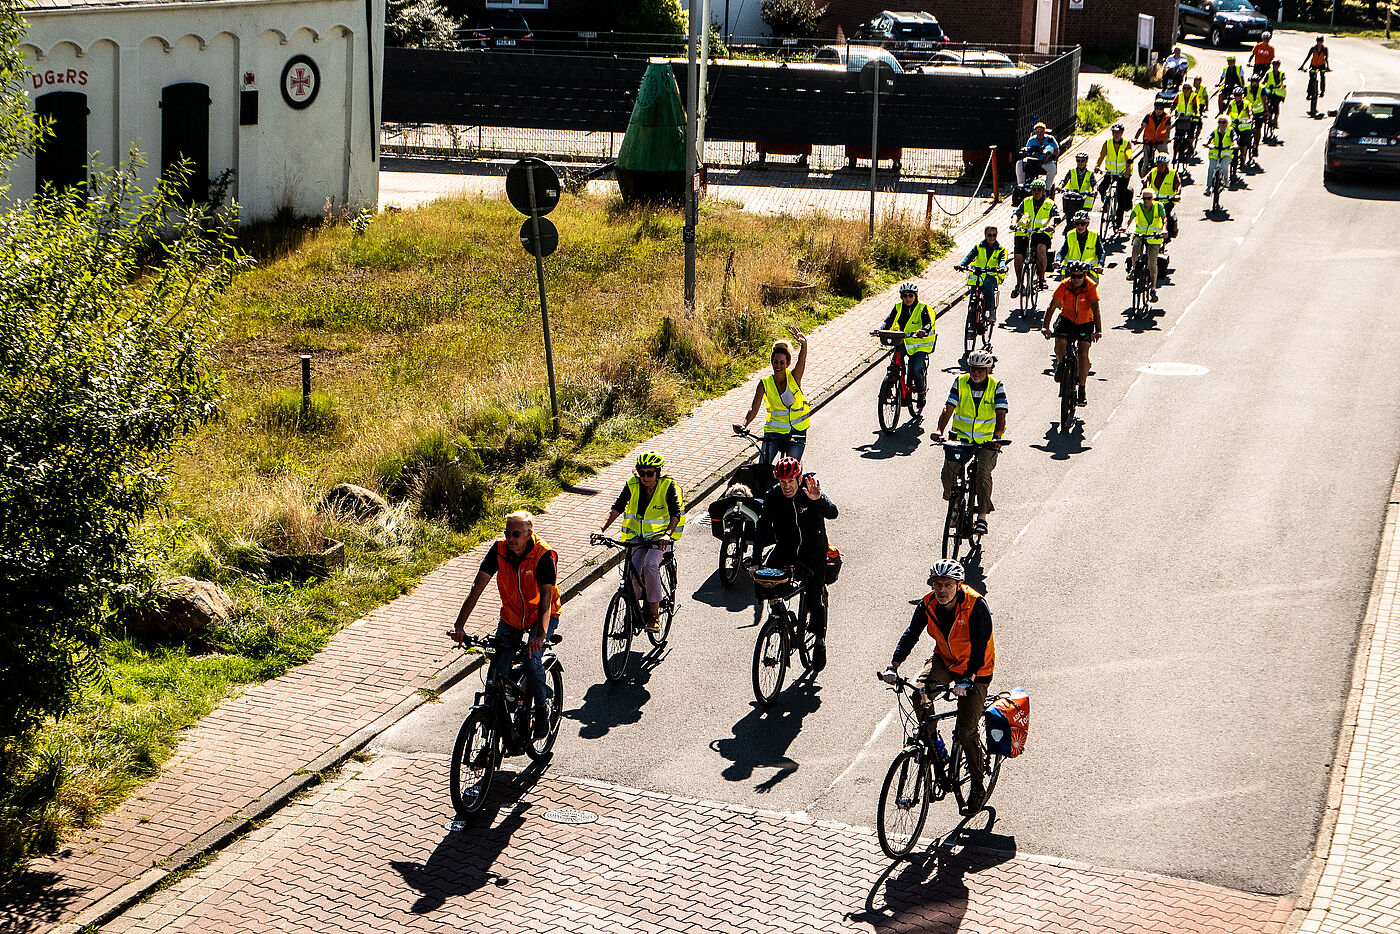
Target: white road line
(879,729)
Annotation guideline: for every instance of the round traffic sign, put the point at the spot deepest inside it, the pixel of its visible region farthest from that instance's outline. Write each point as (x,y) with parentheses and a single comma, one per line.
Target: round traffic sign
(549,236)
(546,186)
(876,70)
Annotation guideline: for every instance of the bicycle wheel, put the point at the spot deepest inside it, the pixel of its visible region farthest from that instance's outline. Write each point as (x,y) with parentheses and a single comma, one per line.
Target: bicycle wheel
(1110,200)
(1069,383)
(538,749)
(972,330)
(473,764)
(731,557)
(903,803)
(668,602)
(954,523)
(962,773)
(770,659)
(617,637)
(1215,193)
(806,635)
(889,404)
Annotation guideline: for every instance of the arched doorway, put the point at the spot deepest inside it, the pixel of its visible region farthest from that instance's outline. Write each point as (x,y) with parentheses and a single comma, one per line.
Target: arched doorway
(184,135)
(60,159)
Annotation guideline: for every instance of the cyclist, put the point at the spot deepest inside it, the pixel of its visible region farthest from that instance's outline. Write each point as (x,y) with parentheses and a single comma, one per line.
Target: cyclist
(1166,183)
(652,507)
(1077,187)
(1116,155)
(1035,227)
(1042,150)
(1155,130)
(1275,86)
(1242,119)
(795,525)
(1188,108)
(788,415)
(1174,69)
(527,573)
(1081,243)
(916,320)
(1220,149)
(1149,223)
(1077,300)
(977,408)
(1262,55)
(991,255)
(1258,103)
(1317,58)
(958,619)
(1202,106)
(1231,77)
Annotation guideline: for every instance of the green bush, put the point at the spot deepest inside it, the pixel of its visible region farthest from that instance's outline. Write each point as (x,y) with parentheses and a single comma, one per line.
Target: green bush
(792,19)
(664,17)
(1095,111)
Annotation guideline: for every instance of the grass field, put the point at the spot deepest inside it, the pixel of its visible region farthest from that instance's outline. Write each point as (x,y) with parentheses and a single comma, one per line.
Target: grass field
(429,386)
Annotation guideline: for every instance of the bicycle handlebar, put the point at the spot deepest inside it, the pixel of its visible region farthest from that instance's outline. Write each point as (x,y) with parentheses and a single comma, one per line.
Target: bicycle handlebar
(597,539)
(753,439)
(943,691)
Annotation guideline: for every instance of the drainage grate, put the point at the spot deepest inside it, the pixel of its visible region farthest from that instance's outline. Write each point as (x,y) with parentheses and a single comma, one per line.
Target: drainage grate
(570,816)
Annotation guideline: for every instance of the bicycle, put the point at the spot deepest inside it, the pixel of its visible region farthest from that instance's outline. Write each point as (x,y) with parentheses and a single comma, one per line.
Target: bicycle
(501,725)
(979,321)
(1215,187)
(957,524)
(782,633)
(1314,90)
(1235,165)
(1030,290)
(1110,205)
(1067,374)
(927,769)
(1271,118)
(1142,291)
(734,517)
(897,388)
(625,616)
(1183,149)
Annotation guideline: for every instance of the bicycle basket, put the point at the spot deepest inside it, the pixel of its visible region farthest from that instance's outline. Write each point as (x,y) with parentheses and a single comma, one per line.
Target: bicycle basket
(833,565)
(957,452)
(889,340)
(769,578)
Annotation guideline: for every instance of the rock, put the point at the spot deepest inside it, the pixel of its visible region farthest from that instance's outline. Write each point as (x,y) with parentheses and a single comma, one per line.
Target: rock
(348,499)
(181,608)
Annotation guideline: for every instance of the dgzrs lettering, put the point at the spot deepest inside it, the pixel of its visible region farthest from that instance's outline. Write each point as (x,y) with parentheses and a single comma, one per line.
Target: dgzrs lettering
(59,76)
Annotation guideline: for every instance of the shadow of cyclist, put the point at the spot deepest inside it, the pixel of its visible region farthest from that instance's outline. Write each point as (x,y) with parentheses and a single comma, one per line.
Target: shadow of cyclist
(461,863)
(736,598)
(1139,324)
(1060,445)
(761,739)
(606,705)
(901,442)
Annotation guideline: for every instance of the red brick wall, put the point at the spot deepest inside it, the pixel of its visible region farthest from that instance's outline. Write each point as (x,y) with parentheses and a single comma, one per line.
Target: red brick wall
(1111,25)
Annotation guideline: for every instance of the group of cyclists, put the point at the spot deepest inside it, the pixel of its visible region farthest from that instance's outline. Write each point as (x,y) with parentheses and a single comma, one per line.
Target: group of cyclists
(791,529)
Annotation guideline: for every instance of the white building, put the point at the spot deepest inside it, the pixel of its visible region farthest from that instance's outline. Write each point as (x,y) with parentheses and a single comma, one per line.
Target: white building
(284,93)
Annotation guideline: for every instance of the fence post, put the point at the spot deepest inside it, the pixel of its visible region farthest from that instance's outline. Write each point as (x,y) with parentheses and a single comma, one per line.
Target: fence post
(996,178)
(928,211)
(305,384)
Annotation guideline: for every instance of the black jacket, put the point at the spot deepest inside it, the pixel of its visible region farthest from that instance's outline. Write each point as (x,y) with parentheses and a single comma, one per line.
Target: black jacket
(796,528)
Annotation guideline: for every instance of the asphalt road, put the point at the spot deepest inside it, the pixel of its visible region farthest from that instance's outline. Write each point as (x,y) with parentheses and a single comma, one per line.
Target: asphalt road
(1179,585)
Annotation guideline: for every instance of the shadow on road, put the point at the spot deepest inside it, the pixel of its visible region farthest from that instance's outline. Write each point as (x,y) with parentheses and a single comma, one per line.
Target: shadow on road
(713,592)
(608,705)
(1062,446)
(462,861)
(762,738)
(1363,192)
(929,893)
(901,442)
(34,901)
(1140,324)
(1017,323)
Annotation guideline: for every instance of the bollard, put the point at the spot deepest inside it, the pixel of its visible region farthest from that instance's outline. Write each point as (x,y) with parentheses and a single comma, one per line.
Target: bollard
(305,384)
(928,211)
(996,178)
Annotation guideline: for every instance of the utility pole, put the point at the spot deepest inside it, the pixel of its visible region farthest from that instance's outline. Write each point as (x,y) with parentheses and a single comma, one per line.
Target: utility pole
(692,208)
(874,141)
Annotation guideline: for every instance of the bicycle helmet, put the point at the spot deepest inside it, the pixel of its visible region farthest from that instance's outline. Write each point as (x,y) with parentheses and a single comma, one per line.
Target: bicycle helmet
(946,567)
(1077,268)
(981,358)
(1161,157)
(908,287)
(1229,58)
(1237,92)
(1038,183)
(1267,36)
(787,468)
(650,459)
(1081,155)
(1080,217)
(1117,128)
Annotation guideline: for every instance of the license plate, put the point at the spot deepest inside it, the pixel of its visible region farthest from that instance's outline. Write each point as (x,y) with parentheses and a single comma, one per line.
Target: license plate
(505,42)
(1374,141)
(921,44)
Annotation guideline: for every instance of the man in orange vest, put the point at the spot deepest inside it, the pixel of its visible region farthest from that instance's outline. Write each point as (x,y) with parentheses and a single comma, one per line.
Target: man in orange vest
(964,656)
(527,574)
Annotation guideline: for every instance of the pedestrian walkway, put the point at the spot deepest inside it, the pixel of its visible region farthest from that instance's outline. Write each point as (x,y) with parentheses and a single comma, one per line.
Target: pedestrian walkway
(650,863)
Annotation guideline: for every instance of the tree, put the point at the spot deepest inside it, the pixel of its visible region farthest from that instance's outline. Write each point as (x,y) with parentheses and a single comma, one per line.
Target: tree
(792,19)
(420,24)
(104,349)
(663,17)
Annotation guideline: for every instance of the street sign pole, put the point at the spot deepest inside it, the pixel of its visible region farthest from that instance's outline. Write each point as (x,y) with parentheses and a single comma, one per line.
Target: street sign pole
(544,304)
(874,141)
(691,118)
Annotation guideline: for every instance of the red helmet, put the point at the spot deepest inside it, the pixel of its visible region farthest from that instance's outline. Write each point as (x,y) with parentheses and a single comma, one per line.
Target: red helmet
(787,468)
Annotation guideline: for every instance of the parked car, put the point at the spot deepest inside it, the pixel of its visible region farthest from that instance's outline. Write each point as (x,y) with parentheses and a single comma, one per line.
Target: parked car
(907,35)
(499,30)
(969,58)
(1221,21)
(1365,136)
(855,57)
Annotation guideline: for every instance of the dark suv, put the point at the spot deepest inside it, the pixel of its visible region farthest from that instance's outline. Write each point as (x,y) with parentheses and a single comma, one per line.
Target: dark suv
(503,30)
(1365,137)
(907,35)
(1221,21)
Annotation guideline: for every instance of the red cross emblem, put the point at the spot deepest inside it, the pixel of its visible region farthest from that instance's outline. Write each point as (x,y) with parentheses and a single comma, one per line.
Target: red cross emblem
(300,81)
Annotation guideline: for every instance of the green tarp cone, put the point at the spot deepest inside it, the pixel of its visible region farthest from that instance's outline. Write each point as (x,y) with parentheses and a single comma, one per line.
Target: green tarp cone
(655,140)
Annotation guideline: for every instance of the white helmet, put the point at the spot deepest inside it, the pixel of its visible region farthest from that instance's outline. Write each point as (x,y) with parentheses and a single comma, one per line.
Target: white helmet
(1161,157)
(981,358)
(908,287)
(946,567)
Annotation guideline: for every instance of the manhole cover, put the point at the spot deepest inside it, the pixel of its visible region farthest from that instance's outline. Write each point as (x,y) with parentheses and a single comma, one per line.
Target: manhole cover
(1173,369)
(570,816)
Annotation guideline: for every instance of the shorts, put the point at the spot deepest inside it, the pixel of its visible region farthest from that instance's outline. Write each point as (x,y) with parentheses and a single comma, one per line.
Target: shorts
(1067,328)
(1021,244)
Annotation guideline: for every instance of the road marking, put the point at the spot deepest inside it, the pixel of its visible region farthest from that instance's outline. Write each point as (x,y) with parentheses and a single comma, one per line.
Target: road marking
(879,729)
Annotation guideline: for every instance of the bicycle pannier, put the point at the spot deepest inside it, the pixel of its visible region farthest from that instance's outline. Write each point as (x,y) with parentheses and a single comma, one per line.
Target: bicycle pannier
(1008,719)
(833,564)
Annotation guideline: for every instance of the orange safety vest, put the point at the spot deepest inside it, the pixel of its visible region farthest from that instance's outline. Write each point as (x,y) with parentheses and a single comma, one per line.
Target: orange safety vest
(956,649)
(1155,131)
(520,595)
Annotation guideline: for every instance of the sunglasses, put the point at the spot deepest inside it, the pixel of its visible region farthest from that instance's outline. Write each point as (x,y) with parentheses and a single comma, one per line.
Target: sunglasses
(651,472)
(522,533)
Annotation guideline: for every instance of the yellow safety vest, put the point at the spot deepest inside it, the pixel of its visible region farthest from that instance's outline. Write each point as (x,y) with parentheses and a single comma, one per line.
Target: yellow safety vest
(915,322)
(975,420)
(1238,77)
(1221,145)
(1037,218)
(1088,251)
(1082,182)
(1149,229)
(1116,159)
(781,419)
(1241,117)
(656,518)
(1274,83)
(994,261)
(1165,187)
(1186,102)
(1255,100)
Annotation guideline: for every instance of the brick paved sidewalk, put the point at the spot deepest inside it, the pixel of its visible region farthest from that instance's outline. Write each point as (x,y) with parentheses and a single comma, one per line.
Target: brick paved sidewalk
(650,863)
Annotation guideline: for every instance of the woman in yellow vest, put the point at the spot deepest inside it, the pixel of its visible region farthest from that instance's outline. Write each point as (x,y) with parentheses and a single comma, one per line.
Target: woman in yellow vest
(917,321)
(652,507)
(789,416)
(1116,156)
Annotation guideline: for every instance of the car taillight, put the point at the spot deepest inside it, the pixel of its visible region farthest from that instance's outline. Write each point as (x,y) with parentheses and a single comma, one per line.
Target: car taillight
(529,36)
(1338,134)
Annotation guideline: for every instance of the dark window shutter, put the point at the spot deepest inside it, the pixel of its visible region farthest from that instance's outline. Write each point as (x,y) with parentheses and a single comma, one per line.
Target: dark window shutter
(184,135)
(60,160)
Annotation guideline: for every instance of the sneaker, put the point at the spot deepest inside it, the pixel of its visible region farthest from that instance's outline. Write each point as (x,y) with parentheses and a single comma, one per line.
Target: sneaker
(1015,291)
(541,726)
(1043,285)
(1080,398)
(819,656)
(980,526)
(975,801)
(1151,295)
(654,625)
